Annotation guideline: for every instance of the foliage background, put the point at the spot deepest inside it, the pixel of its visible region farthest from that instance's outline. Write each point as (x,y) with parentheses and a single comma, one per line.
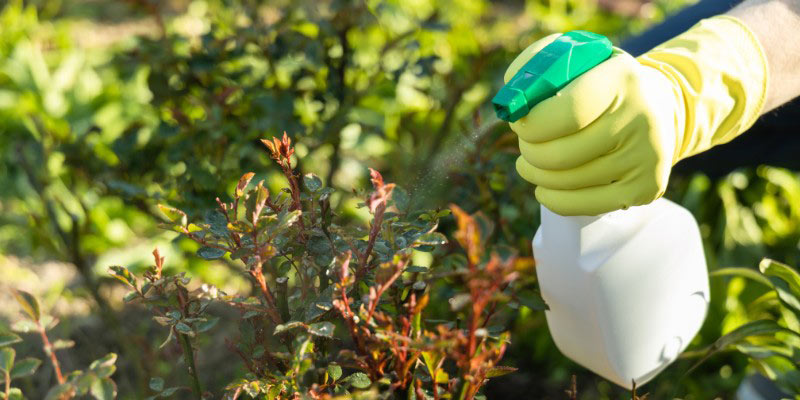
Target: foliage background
(109,107)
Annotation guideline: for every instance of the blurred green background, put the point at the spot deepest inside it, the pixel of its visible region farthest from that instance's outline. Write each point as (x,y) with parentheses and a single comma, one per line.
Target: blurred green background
(110,107)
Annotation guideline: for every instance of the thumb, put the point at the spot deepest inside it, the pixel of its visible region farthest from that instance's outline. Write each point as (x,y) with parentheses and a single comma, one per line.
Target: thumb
(527,54)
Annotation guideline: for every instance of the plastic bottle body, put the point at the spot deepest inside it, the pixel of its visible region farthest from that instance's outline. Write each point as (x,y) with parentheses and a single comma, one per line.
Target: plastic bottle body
(627,290)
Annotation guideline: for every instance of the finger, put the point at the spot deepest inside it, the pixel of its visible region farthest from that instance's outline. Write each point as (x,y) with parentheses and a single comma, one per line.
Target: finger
(602,171)
(594,200)
(592,142)
(578,104)
(636,188)
(527,54)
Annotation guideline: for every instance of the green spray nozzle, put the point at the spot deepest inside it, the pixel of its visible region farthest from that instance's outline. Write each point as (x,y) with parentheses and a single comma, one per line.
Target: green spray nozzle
(549,70)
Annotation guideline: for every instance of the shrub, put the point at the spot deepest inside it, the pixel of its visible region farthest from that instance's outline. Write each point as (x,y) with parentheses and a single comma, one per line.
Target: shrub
(94,381)
(335,309)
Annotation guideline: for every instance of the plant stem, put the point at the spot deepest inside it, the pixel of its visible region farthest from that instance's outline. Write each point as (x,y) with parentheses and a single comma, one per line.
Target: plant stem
(8,385)
(188,356)
(48,349)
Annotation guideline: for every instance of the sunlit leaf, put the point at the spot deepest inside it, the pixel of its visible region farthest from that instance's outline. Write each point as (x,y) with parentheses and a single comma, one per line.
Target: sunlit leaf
(107,360)
(324,329)
(334,371)
(499,370)
(123,275)
(104,389)
(174,215)
(29,304)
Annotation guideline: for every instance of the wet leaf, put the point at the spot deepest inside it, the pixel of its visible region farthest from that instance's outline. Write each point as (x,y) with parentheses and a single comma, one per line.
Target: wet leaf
(358,380)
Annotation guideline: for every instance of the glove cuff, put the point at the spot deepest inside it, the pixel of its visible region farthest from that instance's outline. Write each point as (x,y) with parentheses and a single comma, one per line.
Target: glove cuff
(720,70)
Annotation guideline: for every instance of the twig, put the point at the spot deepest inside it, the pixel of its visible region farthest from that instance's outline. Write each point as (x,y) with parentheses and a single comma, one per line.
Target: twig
(572,392)
(188,356)
(48,349)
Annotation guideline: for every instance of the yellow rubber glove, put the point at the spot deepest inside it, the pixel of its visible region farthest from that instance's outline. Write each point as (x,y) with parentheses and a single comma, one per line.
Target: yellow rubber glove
(609,139)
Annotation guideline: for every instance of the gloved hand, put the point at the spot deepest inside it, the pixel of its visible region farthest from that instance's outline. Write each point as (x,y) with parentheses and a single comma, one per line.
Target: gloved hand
(609,139)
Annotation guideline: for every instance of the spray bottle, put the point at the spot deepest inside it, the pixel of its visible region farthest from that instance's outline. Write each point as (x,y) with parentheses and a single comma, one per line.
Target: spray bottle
(627,290)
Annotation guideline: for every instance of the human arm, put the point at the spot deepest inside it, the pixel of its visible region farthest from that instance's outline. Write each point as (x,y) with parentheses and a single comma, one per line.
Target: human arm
(609,139)
(776,24)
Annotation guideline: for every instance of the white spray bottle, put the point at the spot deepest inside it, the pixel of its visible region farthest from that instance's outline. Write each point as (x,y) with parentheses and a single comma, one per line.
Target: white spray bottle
(628,290)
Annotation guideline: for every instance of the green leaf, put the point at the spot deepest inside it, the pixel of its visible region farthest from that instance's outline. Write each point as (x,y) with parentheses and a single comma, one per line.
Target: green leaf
(785,279)
(29,304)
(63,391)
(431,239)
(324,329)
(107,360)
(174,215)
(312,182)
(285,219)
(499,370)
(334,371)
(104,389)
(207,324)
(210,253)
(25,367)
(169,391)
(400,198)
(9,338)
(15,394)
(185,329)
(748,273)
(287,326)
(358,380)
(432,360)
(7,355)
(61,344)
(754,328)
(24,325)
(123,275)
(157,384)
(532,300)
(218,223)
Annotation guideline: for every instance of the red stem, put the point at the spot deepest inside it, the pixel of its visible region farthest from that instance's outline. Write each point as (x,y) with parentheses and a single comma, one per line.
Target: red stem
(48,348)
